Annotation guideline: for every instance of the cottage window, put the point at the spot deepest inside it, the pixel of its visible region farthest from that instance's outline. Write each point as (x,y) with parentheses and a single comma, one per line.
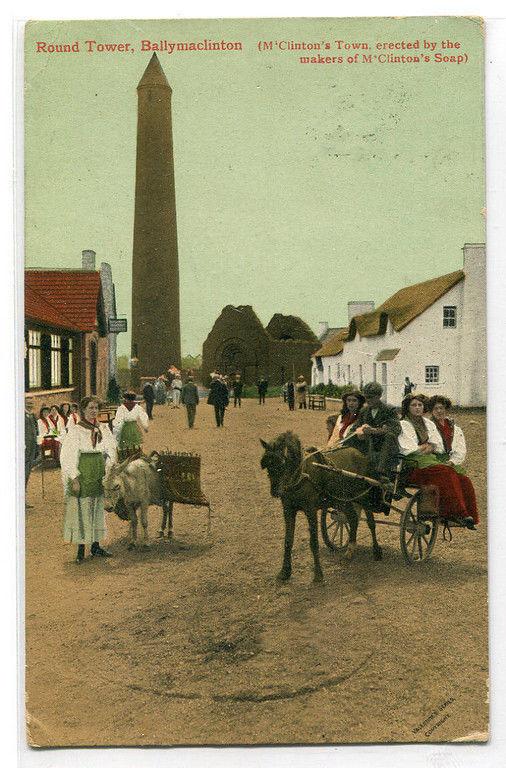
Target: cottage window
(338,372)
(67,361)
(432,374)
(70,358)
(449,317)
(34,360)
(55,360)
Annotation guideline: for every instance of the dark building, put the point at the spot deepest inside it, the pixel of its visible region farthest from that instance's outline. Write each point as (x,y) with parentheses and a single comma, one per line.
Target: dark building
(156,336)
(239,343)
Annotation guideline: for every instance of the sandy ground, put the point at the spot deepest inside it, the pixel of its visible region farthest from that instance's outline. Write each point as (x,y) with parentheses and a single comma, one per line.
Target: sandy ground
(194,641)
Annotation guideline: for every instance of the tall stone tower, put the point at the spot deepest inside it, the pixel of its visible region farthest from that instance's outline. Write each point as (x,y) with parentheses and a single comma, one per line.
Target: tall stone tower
(156,335)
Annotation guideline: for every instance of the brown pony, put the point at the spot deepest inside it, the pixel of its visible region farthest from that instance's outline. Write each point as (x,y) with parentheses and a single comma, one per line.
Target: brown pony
(303,486)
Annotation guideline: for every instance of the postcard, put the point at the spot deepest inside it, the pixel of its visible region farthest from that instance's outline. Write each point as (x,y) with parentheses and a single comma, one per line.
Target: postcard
(255,382)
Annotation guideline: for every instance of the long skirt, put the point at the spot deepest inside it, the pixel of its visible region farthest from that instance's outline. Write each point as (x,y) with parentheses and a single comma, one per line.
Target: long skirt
(130,435)
(53,445)
(84,520)
(456,492)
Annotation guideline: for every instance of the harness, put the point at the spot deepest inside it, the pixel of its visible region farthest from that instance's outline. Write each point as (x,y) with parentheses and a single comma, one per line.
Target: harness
(298,477)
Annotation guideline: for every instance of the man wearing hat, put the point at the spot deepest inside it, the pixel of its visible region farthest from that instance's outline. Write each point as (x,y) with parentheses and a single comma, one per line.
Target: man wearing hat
(377,429)
(190,399)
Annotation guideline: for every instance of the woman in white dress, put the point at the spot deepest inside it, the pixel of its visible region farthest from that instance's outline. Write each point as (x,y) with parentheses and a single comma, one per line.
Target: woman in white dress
(176,387)
(87,452)
(129,423)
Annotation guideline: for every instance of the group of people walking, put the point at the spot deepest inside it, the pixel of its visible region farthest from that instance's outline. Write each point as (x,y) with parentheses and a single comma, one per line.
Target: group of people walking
(433,447)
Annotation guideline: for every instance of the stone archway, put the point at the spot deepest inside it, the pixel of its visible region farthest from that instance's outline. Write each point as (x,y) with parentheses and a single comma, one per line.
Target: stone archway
(234,356)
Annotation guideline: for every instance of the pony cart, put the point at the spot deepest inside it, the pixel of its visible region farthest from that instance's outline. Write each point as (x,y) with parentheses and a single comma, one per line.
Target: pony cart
(417,507)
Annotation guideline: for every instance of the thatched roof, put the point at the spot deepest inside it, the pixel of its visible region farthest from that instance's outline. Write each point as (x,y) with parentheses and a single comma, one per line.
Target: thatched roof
(289,327)
(401,308)
(334,345)
(404,306)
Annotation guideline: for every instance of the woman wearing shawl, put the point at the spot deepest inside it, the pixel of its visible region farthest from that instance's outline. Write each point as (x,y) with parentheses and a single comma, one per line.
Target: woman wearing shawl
(129,420)
(352,403)
(65,411)
(421,445)
(454,442)
(51,430)
(73,417)
(87,451)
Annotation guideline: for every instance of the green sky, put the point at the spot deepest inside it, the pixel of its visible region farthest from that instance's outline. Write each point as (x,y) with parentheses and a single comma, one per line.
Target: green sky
(299,186)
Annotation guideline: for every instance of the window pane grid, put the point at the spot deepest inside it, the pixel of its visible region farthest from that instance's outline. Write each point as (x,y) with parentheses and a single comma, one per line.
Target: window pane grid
(449,317)
(432,374)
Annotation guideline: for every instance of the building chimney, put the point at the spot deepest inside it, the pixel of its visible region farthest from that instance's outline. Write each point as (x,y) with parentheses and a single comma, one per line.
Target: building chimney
(323,327)
(359,308)
(88,261)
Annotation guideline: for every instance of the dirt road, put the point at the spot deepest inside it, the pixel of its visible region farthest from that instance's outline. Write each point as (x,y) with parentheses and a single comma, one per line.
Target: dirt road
(194,641)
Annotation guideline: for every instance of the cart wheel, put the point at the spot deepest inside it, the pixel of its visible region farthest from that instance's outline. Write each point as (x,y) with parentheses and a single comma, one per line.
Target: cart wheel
(335,529)
(418,536)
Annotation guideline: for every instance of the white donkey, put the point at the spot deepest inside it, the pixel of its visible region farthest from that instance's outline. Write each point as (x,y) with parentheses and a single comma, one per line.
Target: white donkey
(134,485)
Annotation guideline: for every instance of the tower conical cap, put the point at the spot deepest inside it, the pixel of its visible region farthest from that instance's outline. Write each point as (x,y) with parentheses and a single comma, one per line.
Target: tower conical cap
(154,76)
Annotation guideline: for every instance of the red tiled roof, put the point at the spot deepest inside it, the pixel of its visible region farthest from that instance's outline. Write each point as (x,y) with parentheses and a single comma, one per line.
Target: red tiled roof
(37,308)
(73,294)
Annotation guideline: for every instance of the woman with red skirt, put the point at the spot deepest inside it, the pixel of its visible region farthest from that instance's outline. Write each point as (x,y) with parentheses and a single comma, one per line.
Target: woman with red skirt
(423,449)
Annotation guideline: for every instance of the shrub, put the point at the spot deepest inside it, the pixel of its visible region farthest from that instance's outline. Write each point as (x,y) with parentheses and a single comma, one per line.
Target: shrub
(251,391)
(332,390)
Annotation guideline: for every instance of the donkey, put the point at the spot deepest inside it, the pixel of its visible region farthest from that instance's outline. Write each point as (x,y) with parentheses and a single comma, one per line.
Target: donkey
(303,486)
(135,484)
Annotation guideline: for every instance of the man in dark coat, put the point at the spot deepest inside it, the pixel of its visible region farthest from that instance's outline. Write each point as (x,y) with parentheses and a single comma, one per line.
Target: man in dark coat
(237,390)
(262,385)
(32,450)
(376,431)
(148,394)
(190,399)
(218,396)
(290,395)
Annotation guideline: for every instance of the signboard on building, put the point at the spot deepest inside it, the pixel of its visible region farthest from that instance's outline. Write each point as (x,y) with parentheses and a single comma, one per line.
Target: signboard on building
(117,325)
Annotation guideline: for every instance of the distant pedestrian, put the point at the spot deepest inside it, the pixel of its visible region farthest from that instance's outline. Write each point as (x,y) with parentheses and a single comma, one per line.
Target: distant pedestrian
(32,450)
(301,392)
(290,395)
(262,385)
(176,388)
(408,387)
(237,390)
(218,397)
(160,390)
(149,398)
(190,399)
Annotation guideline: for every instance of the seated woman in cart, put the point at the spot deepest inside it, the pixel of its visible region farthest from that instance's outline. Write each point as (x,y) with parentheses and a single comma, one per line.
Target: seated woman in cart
(130,419)
(454,442)
(422,447)
(352,403)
